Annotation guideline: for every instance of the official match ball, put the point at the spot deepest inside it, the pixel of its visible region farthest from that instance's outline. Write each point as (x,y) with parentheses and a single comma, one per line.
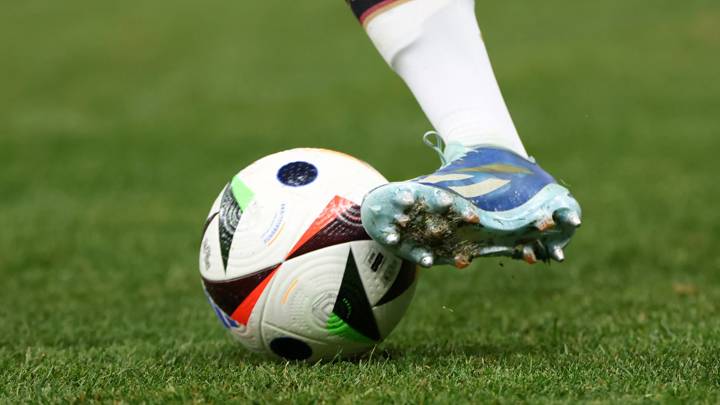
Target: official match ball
(287,266)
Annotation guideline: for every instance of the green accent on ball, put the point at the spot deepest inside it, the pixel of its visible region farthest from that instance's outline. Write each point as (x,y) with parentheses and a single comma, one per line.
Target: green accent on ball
(242,193)
(338,327)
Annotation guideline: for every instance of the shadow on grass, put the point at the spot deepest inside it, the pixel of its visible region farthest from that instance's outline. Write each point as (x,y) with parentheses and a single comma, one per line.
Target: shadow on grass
(415,353)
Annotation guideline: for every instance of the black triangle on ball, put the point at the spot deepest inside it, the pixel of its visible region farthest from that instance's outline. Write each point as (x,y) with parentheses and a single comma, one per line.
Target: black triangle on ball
(229,217)
(403,281)
(352,304)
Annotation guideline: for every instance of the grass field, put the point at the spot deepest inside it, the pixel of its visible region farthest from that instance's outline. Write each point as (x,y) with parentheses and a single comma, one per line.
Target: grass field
(120,121)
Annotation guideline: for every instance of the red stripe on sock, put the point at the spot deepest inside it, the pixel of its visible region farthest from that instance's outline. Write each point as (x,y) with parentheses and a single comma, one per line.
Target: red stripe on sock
(375,9)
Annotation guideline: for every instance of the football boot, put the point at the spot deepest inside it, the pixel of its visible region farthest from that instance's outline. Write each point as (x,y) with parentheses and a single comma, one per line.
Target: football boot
(483,201)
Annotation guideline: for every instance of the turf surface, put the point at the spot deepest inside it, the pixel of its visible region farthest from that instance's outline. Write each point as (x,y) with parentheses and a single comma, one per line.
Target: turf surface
(119,123)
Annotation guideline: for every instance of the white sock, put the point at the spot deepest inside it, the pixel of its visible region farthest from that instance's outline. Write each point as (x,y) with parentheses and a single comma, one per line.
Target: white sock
(436,47)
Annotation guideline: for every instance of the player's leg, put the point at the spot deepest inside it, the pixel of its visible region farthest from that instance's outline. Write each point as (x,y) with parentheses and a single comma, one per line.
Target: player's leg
(435,46)
(488,198)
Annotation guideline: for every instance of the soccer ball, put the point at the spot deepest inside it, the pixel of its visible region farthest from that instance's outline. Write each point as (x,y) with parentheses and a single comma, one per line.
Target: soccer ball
(287,266)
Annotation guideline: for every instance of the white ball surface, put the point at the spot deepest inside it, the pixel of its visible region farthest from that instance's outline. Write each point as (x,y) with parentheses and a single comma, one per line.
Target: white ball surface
(287,266)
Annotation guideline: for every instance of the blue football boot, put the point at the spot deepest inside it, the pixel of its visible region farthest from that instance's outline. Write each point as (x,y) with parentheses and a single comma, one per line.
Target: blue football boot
(483,201)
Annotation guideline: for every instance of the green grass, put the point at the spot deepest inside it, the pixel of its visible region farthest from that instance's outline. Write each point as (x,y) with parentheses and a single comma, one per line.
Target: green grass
(119,123)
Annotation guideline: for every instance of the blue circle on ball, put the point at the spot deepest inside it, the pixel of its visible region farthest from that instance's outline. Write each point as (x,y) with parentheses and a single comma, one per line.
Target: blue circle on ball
(297,174)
